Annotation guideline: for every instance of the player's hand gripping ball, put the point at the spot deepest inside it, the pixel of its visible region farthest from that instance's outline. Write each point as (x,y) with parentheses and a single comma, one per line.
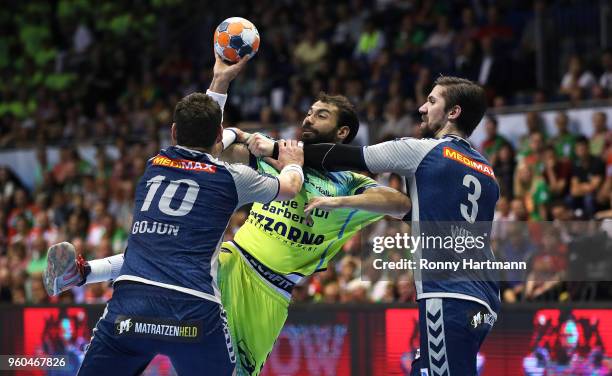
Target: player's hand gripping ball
(236,38)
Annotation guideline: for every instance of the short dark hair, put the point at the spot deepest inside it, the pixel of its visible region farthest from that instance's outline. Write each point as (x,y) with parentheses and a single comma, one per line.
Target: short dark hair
(198,118)
(347,115)
(582,139)
(469,96)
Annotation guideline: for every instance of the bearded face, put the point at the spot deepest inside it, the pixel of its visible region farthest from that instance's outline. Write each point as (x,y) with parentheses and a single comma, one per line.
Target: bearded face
(433,114)
(321,124)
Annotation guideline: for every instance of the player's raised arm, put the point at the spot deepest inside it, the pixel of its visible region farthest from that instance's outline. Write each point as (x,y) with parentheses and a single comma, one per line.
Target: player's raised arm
(223,75)
(382,200)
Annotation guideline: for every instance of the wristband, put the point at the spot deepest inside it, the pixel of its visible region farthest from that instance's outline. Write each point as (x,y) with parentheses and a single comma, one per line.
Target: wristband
(296,168)
(229,136)
(218,97)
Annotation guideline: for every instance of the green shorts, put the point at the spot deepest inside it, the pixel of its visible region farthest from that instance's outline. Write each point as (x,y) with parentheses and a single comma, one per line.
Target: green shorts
(256,311)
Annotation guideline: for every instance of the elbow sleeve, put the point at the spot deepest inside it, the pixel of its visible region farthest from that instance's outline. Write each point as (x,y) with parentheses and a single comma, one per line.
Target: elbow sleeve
(334,157)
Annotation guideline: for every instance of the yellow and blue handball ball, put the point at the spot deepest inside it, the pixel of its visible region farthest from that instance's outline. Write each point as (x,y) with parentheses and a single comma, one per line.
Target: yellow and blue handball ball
(236,38)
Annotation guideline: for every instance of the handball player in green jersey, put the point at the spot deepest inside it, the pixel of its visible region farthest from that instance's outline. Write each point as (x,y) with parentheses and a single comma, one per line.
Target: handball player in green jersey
(279,244)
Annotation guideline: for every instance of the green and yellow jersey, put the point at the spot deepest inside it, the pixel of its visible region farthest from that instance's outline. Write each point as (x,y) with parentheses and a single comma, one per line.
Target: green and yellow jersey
(281,237)
(273,250)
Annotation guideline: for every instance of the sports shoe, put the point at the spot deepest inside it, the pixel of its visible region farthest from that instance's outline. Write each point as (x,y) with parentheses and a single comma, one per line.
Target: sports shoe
(64,269)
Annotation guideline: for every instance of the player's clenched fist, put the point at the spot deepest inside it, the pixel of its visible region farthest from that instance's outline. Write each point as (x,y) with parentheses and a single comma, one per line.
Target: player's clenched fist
(260,146)
(290,152)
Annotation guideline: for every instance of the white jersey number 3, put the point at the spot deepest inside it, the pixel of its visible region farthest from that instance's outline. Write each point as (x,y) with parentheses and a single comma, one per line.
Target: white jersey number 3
(470,213)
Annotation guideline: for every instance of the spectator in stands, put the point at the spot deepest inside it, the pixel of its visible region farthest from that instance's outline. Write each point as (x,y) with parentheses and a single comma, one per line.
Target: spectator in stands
(494,28)
(42,168)
(577,81)
(605,80)
(331,293)
(442,38)
(564,141)
(532,190)
(370,43)
(22,208)
(491,74)
(503,214)
(44,228)
(504,164)
(514,245)
(18,295)
(65,166)
(469,28)
(423,84)
(439,44)
(396,120)
(96,229)
(357,291)
(547,268)
(38,295)
(601,138)
(9,183)
(604,196)
(557,173)
(587,176)
(532,155)
(503,211)
(535,124)
(409,39)
(38,256)
(467,62)
(348,268)
(405,291)
(494,141)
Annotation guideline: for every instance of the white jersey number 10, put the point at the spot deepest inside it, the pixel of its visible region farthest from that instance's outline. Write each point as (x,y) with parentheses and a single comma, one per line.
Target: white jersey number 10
(164,202)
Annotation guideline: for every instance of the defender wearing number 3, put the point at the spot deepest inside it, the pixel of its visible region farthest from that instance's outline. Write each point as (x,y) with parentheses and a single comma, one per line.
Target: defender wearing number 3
(448,182)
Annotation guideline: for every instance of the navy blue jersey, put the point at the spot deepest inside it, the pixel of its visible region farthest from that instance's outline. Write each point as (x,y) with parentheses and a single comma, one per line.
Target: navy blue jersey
(451,187)
(183,204)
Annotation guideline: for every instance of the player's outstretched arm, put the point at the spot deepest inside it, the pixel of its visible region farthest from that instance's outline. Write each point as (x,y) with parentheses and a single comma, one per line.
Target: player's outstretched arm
(329,157)
(382,200)
(401,156)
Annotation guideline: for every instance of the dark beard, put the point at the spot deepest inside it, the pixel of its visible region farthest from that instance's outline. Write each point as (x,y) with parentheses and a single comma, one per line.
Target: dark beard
(430,130)
(427,132)
(320,138)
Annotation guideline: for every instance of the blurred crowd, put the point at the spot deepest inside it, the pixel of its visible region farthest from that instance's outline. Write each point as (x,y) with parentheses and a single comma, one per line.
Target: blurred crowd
(77,71)
(109,74)
(552,180)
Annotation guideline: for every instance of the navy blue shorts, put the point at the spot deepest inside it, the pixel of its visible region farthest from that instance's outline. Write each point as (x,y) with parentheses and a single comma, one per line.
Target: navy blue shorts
(141,321)
(451,333)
